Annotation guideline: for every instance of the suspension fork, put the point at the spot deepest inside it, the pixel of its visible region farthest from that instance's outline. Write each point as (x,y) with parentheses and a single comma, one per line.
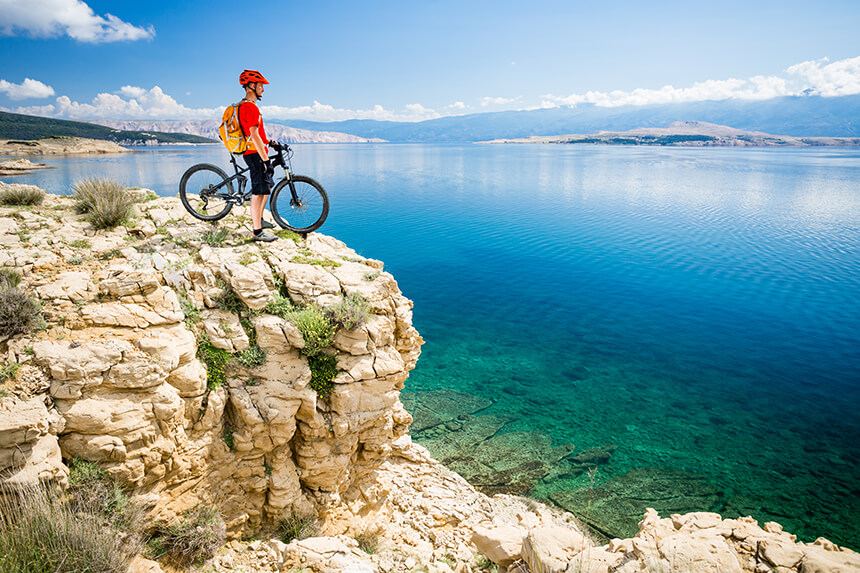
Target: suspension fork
(294,197)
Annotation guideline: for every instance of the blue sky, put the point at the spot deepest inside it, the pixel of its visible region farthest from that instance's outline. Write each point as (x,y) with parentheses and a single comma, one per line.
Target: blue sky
(402,60)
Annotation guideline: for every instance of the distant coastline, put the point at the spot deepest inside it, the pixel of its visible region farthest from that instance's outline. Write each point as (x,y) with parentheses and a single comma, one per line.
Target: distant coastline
(688,134)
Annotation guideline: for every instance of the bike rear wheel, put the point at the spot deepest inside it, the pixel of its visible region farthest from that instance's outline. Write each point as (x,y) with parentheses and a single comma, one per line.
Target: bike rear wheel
(204,191)
(305,214)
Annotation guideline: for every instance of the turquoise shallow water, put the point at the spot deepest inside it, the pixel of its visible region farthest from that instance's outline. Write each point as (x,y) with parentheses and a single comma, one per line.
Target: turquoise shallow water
(690,318)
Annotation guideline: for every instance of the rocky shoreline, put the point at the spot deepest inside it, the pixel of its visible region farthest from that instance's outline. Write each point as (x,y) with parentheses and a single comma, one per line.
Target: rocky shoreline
(59,146)
(119,376)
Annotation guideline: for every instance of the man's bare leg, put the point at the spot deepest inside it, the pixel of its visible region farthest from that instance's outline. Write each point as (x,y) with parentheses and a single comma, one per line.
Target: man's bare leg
(258,203)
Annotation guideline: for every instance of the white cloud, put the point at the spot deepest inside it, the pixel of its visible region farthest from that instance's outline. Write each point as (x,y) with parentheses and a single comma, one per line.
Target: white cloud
(25,90)
(815,77)
(134,102)
(828,80)
(457,105)
(496,101)
(138,103)
(50,18)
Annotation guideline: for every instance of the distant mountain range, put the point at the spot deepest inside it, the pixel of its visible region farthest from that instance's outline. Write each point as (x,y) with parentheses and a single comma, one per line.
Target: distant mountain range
(209,128)
(799,116)
(16,126)
(795,116)
(688,134)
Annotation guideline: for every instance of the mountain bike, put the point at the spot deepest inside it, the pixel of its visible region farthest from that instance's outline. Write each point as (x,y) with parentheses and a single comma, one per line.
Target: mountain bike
(297,203)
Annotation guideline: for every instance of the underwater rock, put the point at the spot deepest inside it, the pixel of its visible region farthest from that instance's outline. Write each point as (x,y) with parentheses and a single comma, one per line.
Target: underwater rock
(614,507)
(430,409)
(508,463)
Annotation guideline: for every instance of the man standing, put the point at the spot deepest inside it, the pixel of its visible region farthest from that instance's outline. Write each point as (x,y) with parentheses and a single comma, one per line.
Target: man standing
(256,157)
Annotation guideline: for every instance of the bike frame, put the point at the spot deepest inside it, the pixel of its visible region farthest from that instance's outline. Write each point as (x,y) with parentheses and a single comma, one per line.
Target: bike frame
(239,197)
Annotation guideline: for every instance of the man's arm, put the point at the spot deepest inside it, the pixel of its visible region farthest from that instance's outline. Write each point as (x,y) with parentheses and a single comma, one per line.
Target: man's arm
(258,142)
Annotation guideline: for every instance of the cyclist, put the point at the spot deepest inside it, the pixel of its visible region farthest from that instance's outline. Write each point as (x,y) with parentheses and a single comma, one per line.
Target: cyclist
(256,157)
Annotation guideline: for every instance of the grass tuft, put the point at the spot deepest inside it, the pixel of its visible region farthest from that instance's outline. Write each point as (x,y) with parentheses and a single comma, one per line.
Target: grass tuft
(97,529)
(297,527)
(352,312)
(192,539)
(227,299)
(215,237)
(317,331)
(9,370)
(252,357)
(21,195)
(107,202)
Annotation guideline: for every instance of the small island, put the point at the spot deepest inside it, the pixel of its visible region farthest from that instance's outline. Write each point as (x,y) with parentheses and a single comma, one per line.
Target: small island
(688,134)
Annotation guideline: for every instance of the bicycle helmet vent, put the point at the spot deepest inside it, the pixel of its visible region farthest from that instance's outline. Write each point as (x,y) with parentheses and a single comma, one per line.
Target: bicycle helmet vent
(248,76)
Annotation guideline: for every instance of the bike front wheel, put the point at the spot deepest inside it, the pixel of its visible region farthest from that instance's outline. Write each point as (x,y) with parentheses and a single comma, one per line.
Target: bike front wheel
(304,212)
(204,191)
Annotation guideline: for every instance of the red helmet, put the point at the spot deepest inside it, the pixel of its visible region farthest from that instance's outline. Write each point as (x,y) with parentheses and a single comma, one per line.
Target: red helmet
(249,76)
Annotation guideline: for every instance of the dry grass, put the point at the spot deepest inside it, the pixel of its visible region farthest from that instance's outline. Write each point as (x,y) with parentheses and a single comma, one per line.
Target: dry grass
(39,533)
(192,539)
(107,202)
(21,195)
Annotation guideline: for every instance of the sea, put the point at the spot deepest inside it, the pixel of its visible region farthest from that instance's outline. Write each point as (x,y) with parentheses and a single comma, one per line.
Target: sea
(610,328)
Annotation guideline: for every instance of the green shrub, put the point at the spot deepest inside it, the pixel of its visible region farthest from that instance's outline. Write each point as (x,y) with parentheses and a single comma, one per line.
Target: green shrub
(76,261)
(21,195)
(323,371)
(215,237)
(280,305)
(19,313)
(317,331)
(111,254)
(194,538)
(297,527)
(41,534)
(252,357)
(106,201)
(352,312)
(81,244)
(216,361)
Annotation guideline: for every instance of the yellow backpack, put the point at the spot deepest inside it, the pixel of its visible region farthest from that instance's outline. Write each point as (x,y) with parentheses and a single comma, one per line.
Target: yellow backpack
(230,130)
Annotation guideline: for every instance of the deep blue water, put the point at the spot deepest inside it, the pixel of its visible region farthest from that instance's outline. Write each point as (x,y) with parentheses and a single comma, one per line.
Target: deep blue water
(699,309)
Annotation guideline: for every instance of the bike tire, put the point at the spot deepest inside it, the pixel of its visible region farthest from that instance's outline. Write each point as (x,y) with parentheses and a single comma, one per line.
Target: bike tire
(195,182)
(309,215)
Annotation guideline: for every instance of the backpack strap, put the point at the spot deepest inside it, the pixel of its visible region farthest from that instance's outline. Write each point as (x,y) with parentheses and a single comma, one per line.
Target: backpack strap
(238,119)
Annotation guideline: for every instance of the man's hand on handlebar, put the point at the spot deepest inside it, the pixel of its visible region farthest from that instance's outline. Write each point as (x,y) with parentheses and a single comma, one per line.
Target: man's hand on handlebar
(276,146)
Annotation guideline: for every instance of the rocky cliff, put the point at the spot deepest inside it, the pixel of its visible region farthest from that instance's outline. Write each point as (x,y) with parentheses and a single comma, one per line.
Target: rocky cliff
(172,354)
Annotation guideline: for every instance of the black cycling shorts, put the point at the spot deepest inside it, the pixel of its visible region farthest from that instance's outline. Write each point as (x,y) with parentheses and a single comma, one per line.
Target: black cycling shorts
(261,184)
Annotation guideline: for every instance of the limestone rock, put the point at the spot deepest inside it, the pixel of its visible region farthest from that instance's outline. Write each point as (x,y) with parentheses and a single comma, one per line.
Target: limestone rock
(550,548)
(501,544)
(309,284)
(224,330)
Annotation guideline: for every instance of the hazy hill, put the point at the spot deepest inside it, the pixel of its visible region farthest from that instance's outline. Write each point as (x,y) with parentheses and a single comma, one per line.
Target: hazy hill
(26,127)
(689,134)
(799,116)
(209,128)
